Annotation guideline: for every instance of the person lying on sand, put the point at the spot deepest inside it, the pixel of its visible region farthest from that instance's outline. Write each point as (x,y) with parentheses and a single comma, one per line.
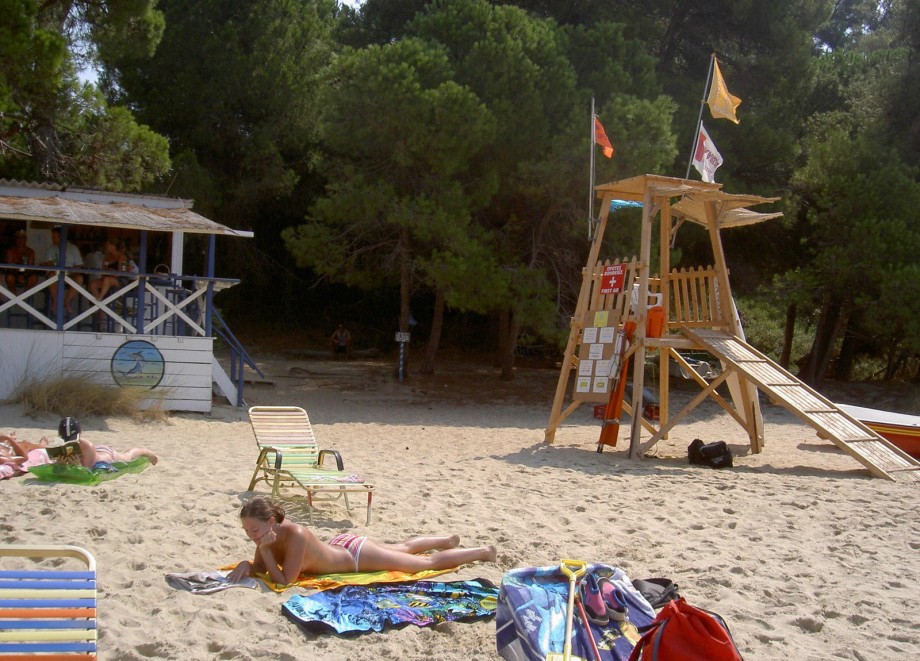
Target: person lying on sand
(17,456)
(14,451)
(78,450)
(285,549)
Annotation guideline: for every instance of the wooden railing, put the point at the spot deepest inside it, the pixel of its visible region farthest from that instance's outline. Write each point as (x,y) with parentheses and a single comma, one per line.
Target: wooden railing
(694,300)
(144,304)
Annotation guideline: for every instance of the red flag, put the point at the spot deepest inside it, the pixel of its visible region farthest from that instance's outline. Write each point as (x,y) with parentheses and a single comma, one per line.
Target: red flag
(600,137)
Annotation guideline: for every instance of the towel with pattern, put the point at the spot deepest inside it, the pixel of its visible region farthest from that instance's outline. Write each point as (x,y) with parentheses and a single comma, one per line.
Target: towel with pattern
(331,581)
(372,607)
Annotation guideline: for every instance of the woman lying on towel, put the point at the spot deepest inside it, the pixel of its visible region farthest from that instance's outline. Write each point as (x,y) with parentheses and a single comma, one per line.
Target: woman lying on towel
(16,456)
(77,450)
(296,550)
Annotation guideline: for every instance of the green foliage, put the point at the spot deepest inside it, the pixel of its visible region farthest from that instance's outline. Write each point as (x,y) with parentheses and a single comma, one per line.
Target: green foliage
(53,128)
(401,136)
(234,83)
(763,318)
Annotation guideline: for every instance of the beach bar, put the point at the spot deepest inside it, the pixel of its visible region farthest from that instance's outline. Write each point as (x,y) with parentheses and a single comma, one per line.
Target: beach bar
(156,326)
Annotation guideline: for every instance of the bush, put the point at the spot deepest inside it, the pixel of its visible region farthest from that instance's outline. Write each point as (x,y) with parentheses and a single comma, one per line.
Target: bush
(78,395)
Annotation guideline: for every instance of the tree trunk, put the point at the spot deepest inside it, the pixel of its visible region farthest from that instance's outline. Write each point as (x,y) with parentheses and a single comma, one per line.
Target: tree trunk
(434,337)
(847,357)
(788,333)
(509,345)
(833,322)
(504,321)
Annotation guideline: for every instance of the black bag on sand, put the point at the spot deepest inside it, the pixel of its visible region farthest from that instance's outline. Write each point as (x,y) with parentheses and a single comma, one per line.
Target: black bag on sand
(714,455)
(657,591)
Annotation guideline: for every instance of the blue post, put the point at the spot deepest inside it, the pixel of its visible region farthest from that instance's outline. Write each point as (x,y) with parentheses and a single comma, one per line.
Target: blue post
(61,285)
(209,301)
(141,281)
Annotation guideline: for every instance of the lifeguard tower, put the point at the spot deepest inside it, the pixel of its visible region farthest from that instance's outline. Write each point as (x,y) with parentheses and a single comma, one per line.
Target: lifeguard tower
(695,312)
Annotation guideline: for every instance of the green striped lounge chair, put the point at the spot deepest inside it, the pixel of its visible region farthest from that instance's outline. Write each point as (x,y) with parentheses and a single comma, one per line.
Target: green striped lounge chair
(47,612)
(289,458)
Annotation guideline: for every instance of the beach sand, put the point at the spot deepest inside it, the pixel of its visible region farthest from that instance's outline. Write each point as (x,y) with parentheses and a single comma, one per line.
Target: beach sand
(802,552)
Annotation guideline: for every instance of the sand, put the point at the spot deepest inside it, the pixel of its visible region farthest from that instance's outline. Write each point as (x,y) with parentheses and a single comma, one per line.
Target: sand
(802,552)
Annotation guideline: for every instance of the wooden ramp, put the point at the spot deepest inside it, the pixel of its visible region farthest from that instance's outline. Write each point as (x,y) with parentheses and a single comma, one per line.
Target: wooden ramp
(882,458)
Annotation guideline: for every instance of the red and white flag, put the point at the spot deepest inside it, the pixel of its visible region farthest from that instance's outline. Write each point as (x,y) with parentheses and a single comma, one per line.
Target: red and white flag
(706,158)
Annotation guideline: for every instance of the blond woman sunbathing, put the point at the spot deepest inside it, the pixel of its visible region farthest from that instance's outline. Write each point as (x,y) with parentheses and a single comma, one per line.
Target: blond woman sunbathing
(285,550)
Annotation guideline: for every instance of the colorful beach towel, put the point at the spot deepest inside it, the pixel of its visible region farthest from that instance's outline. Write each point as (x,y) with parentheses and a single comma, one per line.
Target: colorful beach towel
(73,474)
(332,581)
(531,615)
(373,607)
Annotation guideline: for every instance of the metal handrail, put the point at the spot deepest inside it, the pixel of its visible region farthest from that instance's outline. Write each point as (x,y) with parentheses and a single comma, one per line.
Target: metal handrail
(239,357)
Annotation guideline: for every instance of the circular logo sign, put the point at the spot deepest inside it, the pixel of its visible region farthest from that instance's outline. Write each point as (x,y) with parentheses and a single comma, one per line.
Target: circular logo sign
(138,364)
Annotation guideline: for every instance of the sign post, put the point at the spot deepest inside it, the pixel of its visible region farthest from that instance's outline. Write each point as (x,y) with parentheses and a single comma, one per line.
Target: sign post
(403,340)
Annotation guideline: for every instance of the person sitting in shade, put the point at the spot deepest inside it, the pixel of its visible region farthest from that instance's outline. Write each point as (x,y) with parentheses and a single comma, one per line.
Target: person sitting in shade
(340,342)
(72,259)
(20,253)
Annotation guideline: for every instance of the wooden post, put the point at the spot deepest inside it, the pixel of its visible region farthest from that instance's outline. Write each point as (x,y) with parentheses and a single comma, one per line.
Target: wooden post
(645,254)
(664,355)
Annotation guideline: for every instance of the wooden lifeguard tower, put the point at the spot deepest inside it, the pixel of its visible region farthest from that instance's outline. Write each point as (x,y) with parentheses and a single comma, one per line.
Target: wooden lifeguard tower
(699,315)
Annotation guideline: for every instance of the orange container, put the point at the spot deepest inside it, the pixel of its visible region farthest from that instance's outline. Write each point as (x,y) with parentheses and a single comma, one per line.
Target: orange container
(654,324)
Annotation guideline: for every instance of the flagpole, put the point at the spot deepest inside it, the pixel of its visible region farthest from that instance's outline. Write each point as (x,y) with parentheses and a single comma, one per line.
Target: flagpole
(591,183)
(699,119)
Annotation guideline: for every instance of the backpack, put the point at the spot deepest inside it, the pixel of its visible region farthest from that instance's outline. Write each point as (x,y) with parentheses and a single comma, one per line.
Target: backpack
(682,632)
(714,455)
(657,591)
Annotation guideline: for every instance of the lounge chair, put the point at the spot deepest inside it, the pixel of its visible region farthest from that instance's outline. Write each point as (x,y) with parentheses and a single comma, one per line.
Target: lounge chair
(46,610)
(289,457)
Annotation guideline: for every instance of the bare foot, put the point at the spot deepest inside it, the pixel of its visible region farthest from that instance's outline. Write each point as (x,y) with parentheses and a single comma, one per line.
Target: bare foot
(153,459)
(454,542)
(492,553)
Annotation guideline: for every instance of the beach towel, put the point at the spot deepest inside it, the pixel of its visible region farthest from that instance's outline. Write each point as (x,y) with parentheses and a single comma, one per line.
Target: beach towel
(73,474)
(531,615)
(332,581)
(356,608)
(36,457)
(208,582)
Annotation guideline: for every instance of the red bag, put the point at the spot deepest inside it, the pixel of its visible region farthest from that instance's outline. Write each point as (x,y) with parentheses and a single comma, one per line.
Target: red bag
(682,632)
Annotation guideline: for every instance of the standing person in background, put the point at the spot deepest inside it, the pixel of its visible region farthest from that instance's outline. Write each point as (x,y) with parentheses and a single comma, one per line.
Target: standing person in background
(20,253)
(72,258)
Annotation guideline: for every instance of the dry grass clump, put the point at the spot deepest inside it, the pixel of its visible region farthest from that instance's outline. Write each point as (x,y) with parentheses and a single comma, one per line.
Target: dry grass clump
(78,395)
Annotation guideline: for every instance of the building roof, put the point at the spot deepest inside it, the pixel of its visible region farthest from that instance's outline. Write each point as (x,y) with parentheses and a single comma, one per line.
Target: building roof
(62,205)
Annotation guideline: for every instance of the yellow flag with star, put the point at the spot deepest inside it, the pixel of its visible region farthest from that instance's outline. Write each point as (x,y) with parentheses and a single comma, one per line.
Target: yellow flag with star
(722,104)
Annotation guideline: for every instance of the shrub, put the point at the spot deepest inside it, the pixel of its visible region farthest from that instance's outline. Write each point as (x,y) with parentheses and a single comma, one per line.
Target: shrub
(79,395)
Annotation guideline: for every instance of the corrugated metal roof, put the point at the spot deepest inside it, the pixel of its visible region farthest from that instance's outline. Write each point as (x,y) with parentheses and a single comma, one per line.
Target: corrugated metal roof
(54,204)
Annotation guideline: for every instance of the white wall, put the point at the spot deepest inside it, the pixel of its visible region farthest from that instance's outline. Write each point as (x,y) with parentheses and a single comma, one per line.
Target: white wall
(35,354)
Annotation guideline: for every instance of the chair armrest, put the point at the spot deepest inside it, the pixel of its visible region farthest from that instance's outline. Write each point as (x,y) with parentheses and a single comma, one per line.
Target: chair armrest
(279,459)
(335,453)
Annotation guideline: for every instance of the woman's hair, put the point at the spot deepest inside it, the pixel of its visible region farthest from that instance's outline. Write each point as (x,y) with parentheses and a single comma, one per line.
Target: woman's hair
(69,459)
(263,509)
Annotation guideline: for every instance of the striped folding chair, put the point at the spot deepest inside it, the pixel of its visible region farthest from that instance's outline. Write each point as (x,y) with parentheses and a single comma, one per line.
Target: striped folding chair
(46,612)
